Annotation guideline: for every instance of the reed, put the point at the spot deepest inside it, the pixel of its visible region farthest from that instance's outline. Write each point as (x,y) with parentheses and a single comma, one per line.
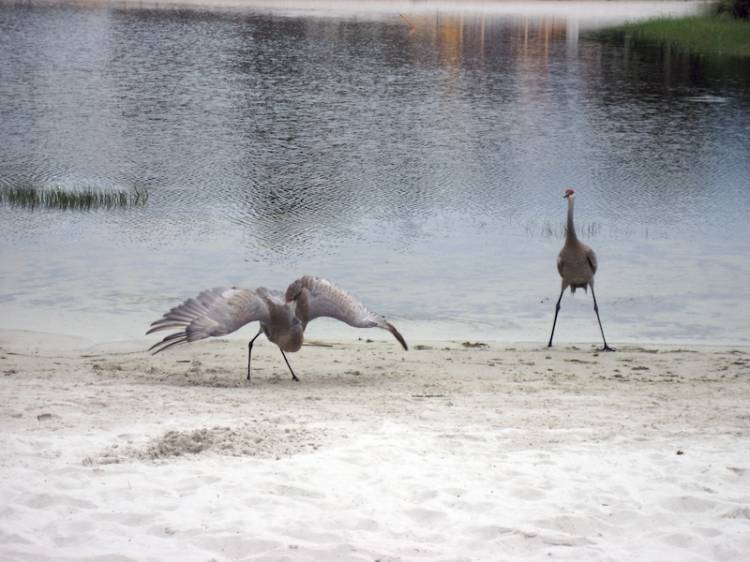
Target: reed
(82,199)
(549,229)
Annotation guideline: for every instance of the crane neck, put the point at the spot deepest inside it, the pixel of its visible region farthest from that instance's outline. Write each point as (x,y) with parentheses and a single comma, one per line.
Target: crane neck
(302,306)
(570,231)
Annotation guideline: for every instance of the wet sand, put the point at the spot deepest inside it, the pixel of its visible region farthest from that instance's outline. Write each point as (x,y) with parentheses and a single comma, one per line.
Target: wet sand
(445,452)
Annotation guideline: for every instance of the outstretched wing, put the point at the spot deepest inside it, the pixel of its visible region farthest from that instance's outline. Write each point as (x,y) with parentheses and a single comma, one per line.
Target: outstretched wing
(319,297)
(214,312)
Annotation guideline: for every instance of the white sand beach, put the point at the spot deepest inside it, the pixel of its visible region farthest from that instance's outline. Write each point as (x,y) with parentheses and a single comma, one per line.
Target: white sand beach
(445,452)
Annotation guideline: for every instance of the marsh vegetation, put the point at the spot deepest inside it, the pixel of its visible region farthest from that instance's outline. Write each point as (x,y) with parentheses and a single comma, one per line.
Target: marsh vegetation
(710,35)
(557,230)
(82,199)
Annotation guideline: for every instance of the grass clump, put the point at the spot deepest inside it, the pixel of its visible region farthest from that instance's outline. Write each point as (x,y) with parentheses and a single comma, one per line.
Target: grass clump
(549,229)
(734,8)
(712,35)
(86,199)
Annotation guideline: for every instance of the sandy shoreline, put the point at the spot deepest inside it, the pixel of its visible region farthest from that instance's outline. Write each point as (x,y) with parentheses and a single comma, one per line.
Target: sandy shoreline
(446,452)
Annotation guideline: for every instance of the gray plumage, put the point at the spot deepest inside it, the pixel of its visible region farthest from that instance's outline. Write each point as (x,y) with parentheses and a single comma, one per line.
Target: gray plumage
(577,265)
(283,317)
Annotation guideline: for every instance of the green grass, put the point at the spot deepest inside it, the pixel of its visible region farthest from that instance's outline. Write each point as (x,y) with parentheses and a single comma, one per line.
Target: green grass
(711,35)
(85,199)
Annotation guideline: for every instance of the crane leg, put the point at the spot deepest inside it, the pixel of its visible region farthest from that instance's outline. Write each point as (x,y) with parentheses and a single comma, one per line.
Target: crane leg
(250,352)
(596,309)
(557,309)
(288,365)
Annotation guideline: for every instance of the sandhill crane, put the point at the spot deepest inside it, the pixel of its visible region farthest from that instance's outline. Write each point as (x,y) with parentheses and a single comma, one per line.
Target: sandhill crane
(283,317)
(576,264)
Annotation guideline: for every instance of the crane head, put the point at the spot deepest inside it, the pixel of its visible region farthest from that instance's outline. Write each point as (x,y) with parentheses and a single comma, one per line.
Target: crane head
(569,193)
(294,290)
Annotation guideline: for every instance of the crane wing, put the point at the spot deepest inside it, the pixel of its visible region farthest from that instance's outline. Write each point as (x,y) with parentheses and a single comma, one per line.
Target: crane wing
(320,297)
(214,312)
(591,258)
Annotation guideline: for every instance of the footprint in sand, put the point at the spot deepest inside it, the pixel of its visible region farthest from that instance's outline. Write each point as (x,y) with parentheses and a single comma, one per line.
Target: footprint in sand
(490,532)
(425,515)
(690,504)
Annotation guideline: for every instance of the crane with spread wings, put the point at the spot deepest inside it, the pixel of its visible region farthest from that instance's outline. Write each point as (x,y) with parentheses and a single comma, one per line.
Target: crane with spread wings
(283,317)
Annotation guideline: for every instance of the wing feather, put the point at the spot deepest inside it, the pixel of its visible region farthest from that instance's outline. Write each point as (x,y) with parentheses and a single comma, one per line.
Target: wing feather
(214,312)
(321,298)
(591,258)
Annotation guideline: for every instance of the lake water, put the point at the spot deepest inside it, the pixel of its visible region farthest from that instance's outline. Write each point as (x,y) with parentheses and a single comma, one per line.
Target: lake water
(414,154)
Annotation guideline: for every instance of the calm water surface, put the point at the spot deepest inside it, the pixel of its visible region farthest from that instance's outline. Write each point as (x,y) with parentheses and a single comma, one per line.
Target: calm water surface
(418,161)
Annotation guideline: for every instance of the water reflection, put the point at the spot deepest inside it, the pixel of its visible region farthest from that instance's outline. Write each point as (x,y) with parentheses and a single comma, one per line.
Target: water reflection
(367,149)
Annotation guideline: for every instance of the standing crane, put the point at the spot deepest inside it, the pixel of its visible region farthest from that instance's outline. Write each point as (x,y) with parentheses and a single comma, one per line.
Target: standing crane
(283,317)
(576,264)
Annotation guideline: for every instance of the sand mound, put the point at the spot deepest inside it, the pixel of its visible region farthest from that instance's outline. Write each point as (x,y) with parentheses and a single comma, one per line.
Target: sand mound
(176,443)
(267,442)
